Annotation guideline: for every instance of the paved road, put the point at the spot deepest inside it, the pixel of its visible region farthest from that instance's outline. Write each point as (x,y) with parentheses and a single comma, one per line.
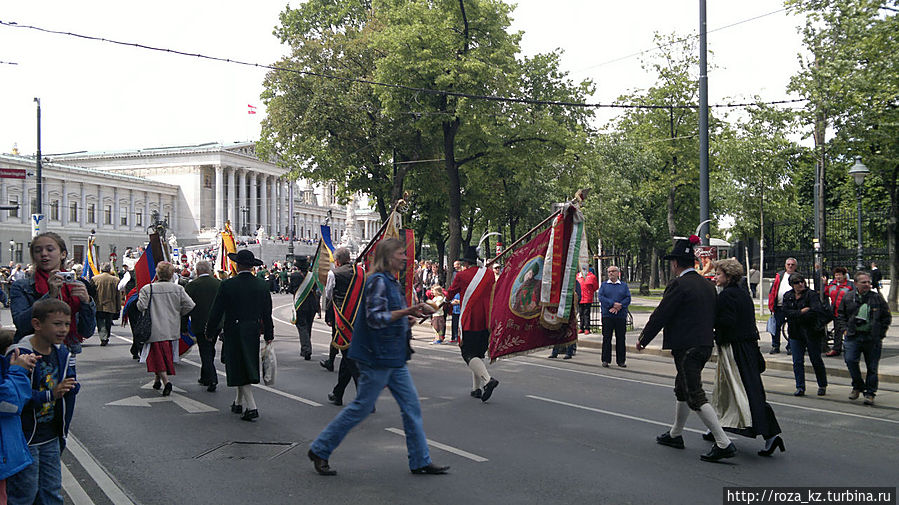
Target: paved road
(555,432)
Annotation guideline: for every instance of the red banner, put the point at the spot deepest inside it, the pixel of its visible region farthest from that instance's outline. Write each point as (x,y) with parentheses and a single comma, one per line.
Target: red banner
(515,313)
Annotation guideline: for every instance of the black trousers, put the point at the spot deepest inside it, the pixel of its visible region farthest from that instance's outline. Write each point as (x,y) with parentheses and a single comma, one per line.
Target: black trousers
(456,327)
(474,344)
(618,325)
(583,310)
(348,370)
(207,360)
(104,324)
(688,382)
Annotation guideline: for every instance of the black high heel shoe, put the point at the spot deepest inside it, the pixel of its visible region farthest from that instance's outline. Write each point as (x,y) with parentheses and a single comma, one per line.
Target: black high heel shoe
(771,445)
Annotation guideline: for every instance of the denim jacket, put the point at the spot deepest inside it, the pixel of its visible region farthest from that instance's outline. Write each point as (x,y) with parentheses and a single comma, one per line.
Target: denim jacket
(22,296)
(377,341)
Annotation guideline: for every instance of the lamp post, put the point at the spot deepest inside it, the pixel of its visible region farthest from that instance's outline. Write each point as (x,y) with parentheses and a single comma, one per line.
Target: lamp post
(245,213)
(858,173)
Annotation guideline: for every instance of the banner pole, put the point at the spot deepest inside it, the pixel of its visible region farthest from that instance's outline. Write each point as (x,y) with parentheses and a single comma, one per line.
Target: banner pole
(377,235)
(580,196)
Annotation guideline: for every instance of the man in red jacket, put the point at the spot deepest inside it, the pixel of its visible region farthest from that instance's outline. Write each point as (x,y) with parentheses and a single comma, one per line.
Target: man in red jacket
(474,284)
(588,284)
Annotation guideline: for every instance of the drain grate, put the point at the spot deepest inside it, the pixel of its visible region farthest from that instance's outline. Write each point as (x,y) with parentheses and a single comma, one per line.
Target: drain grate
(247,451)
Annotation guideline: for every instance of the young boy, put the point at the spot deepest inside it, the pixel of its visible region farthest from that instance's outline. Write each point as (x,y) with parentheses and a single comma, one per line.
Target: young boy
(15,390)
(46,416)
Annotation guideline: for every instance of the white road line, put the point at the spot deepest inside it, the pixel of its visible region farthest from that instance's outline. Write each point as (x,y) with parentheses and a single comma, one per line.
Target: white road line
(109,487)
(447,448)
(800,407)
(609,412)
(73,489)
(263,387)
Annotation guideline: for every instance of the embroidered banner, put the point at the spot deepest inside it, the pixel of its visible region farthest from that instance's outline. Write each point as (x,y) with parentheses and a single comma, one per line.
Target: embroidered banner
(345,316)
(515,313)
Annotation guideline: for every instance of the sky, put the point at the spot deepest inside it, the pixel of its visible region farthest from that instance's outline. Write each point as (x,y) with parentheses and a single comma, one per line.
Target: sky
(97,96)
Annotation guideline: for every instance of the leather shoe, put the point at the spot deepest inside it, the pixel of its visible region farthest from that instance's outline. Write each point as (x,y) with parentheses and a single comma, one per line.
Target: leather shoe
(104,343)
(327,364)
(157,384)
(622,365)
(236,409)
(307,356)
(854,394)
(774,350)
(567,356)
(321,465)
(476,393)
(431,469)
(822,391)
(718,453)
(869,399)
(333,399)
(708,436)
(211,387)
(553,356)
(488,389)
(167,390)
(666,439)
(799,392)
(605,364)
(249,415)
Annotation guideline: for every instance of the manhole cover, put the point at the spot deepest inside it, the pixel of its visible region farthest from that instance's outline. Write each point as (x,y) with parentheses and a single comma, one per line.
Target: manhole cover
(247,450)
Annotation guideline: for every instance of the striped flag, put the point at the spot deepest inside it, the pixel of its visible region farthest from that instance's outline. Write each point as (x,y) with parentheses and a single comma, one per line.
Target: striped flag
(89,269)
(226,245)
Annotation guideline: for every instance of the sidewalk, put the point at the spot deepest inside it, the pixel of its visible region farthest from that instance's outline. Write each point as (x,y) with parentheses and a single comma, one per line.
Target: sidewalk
(836,367)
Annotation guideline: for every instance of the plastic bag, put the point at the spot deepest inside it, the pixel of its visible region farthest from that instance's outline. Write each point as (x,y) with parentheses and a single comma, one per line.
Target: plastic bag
(771,326)
(269,364)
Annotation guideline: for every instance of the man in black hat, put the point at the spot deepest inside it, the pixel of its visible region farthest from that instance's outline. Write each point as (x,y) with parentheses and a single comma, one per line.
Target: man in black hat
(687,313)
(243,307)
(305,309)
(474,285)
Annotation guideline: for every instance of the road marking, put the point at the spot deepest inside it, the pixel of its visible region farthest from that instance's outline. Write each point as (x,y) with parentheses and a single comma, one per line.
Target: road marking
(447,448)
(850,414)
(609,412)
(264,387)
(73,489)
(109,487)
(190,405)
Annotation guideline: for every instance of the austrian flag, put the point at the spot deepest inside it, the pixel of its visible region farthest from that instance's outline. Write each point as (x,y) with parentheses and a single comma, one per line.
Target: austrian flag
(251,109)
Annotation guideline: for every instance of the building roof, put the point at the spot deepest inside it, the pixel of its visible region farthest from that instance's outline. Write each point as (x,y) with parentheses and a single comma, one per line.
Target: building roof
(229,147)
(30,160)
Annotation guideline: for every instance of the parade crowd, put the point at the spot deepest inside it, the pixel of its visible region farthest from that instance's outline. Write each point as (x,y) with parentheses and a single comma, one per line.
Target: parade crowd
(55,308)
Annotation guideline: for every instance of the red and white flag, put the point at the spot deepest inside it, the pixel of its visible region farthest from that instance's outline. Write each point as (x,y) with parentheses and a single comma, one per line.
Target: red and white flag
(251,109)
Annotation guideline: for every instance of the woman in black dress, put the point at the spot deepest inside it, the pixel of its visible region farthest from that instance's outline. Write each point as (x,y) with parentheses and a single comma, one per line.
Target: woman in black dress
(735,328)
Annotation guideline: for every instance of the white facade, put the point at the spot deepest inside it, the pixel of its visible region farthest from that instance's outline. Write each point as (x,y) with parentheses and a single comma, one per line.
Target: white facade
(196,188)
(77,200)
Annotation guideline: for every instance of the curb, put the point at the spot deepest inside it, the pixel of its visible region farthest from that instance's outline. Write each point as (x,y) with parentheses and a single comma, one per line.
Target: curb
(769,364)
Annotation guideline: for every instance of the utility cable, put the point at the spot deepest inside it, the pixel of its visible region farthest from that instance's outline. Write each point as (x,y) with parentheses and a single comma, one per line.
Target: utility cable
(491,98)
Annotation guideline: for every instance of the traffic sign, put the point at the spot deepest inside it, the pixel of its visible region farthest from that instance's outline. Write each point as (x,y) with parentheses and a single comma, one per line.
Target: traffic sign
(12,173)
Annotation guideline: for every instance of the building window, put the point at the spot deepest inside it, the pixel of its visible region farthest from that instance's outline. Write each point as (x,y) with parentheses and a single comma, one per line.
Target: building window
(107,214)
(34,205)
(92,213)
(207,181)
(123,216)
(54,210)
(168,219)
(139,218)
(19,252)
(73,212)
(14,200)
(78,254)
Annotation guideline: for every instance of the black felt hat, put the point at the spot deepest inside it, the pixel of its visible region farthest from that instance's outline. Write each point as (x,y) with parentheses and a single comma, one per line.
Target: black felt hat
(470,255)
(683,248)
(245,257)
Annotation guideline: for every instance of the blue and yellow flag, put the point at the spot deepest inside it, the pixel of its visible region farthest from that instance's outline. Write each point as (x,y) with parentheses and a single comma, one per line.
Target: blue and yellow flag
(89,269)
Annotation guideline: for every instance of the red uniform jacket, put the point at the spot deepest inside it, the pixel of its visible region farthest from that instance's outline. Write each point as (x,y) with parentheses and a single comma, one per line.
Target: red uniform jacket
(480,308)
(589,285)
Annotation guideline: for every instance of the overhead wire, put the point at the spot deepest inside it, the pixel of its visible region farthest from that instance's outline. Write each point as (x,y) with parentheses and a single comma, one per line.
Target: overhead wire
(457,94)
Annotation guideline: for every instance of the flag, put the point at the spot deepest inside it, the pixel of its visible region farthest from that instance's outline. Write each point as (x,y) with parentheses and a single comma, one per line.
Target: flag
(89,269)
(251,109)
(394,230)
(313,276)
(324,256)
(533,298)
(226,245)
(345,315)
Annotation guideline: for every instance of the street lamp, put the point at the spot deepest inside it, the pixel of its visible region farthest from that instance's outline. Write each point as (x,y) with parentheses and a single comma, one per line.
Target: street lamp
(858,173)
(245,212)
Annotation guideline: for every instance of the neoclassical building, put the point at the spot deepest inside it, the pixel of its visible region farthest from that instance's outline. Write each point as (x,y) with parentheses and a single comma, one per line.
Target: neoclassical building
(195,188)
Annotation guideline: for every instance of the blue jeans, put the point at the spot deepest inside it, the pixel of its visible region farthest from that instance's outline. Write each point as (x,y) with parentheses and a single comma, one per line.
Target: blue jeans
(780,318)
(871,349)
(42,481)
(371,382)
(813,345)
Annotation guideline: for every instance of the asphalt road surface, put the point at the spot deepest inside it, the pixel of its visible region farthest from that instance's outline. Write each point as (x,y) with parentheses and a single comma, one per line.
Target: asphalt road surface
(554,432)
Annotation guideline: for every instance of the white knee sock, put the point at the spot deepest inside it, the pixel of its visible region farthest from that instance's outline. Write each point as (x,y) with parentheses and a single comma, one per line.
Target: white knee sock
(248,397)
(681,411)
(710,419)
(239,399)
(479,373)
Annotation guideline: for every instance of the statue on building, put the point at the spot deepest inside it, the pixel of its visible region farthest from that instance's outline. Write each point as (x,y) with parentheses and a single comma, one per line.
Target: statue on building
(350,236)
(260,234)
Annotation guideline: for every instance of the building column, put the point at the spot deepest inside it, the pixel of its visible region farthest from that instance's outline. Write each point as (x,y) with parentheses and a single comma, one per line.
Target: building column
(173,222)
(25,203)
(82,217)
(232,201)
(146,220)
(241,200)
(273,205)
(131,209)
(64,203)
(219,198)
(254,212)
(4,200)
(263,202)
(115,208)
(282,206)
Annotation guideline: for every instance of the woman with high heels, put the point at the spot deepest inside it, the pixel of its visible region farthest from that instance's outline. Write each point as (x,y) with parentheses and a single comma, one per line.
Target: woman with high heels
(737,336)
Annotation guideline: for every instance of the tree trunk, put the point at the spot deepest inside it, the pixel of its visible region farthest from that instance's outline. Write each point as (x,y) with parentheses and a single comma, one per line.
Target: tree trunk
(672,230)
(654,272)
(643,265)
(441,255)
(455,188)
(892,246)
